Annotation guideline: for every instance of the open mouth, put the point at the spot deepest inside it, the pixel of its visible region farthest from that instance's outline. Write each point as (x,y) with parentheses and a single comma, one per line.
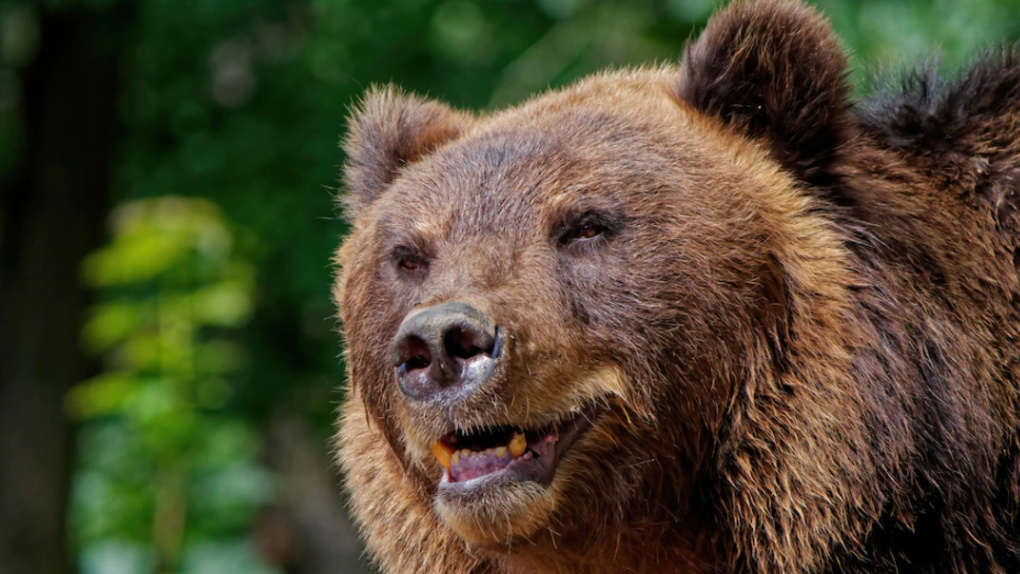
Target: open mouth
(470,458)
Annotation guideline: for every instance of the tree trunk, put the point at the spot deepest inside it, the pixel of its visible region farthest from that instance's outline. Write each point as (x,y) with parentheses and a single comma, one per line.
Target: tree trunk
(54,205)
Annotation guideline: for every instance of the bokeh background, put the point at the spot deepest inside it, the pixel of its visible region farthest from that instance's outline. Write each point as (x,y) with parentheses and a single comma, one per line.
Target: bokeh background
(169,356)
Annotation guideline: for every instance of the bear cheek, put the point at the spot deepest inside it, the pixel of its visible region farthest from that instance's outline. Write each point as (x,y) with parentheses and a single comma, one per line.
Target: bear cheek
(370,314)
(641,308)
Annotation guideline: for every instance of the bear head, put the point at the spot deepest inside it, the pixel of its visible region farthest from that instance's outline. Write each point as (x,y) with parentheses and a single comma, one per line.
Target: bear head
(568,321)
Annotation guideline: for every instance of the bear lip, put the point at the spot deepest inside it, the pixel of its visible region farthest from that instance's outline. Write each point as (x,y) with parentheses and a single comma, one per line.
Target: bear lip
(484,464)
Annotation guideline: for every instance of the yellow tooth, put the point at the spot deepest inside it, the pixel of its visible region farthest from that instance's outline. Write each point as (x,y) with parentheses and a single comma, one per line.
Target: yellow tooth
(442,452)
(500,451)
(455,457)
(518,444)
(465,452)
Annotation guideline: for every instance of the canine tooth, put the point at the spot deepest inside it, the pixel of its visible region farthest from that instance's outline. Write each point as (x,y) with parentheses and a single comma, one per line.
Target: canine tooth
(518,444)
(500,451)
(455,458)
(442,452)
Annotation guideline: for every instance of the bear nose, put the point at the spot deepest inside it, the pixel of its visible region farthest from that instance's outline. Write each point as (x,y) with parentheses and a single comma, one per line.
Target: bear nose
(445,351)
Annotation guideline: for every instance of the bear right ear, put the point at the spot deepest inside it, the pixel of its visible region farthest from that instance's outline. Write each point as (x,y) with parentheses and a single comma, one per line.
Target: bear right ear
(774,69)
(386,131)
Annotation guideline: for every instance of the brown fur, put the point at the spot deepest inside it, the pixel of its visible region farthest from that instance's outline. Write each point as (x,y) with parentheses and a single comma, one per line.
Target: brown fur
(801,326)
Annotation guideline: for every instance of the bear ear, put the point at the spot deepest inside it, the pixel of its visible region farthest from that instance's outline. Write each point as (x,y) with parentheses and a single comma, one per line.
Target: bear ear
(387,131)
(774,69)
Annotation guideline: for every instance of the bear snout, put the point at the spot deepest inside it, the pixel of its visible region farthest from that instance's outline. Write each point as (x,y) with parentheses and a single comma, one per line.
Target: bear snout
(445,352)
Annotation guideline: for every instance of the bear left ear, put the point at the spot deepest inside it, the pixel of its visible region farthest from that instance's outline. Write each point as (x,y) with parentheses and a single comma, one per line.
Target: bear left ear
(774,69)
(388,131)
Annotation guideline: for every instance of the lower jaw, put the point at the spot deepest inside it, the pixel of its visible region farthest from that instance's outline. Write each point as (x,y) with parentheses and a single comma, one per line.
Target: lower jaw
(498,507)
(511,503)
(496,515)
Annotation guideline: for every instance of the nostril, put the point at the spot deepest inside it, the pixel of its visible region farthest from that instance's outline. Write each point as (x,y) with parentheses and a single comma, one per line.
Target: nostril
(417,363)
(415,354)
(464,344)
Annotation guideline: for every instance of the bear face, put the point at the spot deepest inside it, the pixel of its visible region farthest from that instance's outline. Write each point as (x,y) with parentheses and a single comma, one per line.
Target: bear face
(635,325)
(581,227)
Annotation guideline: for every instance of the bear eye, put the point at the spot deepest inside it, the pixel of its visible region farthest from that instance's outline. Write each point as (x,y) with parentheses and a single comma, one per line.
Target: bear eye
(588,231)
(409,261)
(587,228)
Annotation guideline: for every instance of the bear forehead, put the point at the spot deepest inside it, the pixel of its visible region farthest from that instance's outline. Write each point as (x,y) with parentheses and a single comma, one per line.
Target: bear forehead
(590,146)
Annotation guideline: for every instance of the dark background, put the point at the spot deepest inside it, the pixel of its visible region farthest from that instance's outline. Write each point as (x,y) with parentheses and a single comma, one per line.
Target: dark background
(169,358)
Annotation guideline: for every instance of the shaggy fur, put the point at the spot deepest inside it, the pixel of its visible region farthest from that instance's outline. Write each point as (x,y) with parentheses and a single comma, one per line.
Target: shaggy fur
(799,326)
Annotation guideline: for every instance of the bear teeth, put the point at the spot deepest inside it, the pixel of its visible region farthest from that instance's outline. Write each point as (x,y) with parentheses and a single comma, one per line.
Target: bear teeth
(518,444)
(442,452)
(449,457)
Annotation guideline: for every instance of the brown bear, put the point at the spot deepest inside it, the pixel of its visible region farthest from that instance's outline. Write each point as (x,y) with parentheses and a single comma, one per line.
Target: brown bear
(712,318)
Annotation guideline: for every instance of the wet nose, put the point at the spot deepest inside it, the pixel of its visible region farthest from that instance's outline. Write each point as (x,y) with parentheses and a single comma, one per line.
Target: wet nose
(445,351)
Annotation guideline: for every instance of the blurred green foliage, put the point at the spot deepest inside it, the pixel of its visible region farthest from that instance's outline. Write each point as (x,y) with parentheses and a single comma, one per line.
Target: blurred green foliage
(213,314)
(170,461)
